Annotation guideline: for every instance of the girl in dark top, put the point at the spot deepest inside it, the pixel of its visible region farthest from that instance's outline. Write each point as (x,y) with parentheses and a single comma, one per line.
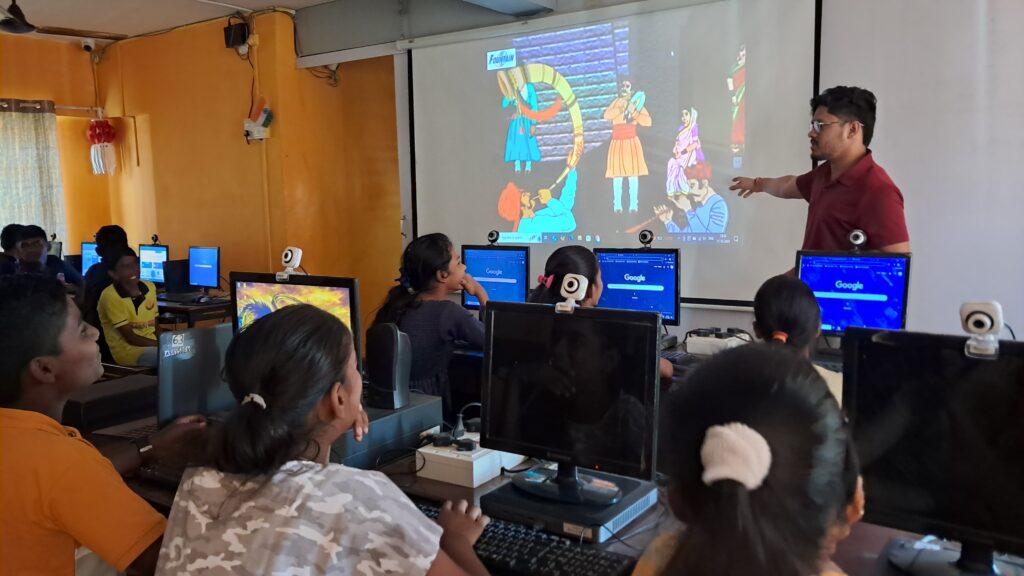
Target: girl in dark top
(431,270)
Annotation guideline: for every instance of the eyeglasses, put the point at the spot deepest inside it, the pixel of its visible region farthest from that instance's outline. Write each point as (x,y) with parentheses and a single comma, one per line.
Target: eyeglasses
(817,125)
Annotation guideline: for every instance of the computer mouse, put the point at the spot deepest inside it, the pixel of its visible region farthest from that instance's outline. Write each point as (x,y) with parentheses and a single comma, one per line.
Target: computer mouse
(203,299)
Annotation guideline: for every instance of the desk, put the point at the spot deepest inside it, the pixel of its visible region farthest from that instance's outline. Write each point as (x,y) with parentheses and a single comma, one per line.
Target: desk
(193,313)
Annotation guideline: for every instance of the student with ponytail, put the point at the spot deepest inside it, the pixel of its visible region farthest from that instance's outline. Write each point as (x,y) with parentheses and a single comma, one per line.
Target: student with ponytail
(269,501)
(787,314)
(762,473)
(419,305)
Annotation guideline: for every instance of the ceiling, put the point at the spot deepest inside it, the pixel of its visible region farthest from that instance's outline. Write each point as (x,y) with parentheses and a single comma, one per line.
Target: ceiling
(132,17)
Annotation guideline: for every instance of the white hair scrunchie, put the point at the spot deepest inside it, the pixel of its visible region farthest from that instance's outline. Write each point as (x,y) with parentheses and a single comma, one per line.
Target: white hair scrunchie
(737,452)
(255,398)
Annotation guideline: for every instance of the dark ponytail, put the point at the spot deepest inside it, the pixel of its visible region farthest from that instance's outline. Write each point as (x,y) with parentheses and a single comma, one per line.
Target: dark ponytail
(778,528)
(287,360)
(565,260)
(786,312)
(422,259)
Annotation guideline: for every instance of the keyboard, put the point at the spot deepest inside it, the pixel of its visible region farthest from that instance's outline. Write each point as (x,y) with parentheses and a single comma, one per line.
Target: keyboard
(179,298)
(833,364)
(678,356)
(514,549)
(133,430)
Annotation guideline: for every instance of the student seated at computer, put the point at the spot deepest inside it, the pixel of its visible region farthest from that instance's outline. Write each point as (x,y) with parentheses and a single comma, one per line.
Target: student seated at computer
(127,310)
(34,258)
(57,492)
(419,305)
(270,502)
(762,471)
(9,243)
(109,241)
(786,313)
(582,261)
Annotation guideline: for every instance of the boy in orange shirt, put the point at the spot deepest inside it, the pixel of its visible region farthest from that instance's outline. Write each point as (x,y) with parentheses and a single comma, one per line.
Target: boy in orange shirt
(56,490)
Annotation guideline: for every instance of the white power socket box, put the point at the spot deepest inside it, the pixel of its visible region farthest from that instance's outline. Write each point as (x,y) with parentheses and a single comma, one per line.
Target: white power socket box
(708,345)
(469,469)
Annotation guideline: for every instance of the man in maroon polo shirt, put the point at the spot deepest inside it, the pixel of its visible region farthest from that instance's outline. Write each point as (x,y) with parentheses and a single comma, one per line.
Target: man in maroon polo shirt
(847,191)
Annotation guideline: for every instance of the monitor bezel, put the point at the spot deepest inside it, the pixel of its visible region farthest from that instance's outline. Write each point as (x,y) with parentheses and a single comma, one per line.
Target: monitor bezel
(855,338)
(837,253)
(190,282)
(352,284)
(675,251)
(502,248)
(168,249)
(652,401)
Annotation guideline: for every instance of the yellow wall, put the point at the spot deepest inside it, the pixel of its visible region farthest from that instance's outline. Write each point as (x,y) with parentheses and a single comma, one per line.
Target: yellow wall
(86,196)
(36,69)
(326,180)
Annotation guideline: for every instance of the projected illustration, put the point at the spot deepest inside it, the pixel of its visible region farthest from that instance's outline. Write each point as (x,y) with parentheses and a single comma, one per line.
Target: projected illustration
(737,82)
(255,300)
(586,105)
(685,153)
(625,153)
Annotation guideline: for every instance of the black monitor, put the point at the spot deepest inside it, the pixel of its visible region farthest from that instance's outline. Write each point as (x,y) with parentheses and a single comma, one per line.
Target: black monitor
(204,266)
(151,262)
(190,373)
(254,295)
(645,280)
(941,441)
(867,290)
(502,271)
(580,389)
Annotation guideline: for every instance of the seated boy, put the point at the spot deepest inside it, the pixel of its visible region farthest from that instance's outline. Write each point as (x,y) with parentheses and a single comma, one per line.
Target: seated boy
(127,310)
(56,490)
(34,257)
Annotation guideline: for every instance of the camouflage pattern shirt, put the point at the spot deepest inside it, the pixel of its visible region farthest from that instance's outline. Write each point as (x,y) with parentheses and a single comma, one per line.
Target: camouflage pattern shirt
(305,519)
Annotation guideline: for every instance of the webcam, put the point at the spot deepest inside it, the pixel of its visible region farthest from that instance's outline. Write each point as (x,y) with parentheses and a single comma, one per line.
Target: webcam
(646,237)
(492,236)
(983,321)
(857,239)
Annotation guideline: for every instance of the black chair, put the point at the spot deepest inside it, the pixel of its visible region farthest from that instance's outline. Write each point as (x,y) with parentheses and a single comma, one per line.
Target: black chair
(388,362)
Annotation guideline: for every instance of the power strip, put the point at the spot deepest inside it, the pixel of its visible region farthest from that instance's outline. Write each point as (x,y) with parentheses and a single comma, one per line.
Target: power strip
(469,469)
(709,345)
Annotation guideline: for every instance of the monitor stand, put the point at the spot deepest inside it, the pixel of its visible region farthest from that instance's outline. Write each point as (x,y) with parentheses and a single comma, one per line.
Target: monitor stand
(669,341)
(568,486)
(925,560)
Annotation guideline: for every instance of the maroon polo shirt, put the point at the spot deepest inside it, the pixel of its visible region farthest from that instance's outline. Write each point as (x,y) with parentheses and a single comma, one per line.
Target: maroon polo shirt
(862,198)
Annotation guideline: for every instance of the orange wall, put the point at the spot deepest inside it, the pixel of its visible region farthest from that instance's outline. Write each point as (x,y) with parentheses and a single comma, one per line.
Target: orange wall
(86,196)
(36,69)
(326,180)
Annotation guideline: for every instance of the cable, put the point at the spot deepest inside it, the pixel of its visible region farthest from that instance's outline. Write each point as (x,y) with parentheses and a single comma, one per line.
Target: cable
(303,270)
(1010,328)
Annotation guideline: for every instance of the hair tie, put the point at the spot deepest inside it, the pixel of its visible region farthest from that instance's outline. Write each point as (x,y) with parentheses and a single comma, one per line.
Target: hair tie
(255,398)
(780,336)
(736,452)
(546,281)
(403,281)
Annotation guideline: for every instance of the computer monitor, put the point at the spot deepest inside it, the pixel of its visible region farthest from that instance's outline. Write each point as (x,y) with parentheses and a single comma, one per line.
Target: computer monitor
(57,248)
(644,280)
(580,389)
(254,295)
(866,290)
(190,367)
(204,266)
(89,256)
(501,270)
(151,262)
(940,437)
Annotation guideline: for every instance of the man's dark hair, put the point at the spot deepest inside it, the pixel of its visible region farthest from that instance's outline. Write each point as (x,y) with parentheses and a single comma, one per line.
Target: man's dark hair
(32,231)
(850,103)
(10,236)
(108,238)
(33,311)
